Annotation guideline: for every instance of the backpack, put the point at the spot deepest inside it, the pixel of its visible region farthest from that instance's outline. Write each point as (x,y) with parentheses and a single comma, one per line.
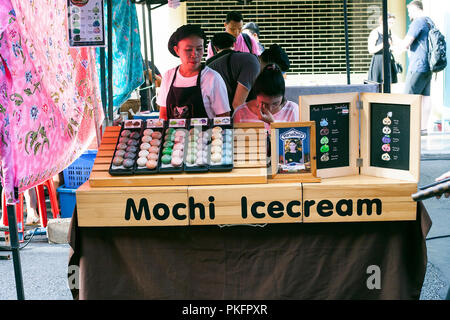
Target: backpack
(248,41)
(437,57)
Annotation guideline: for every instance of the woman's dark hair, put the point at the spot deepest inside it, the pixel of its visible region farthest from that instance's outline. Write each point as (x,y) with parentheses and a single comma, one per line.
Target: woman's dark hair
(234,16)
(223,40)
(270,82)
(276,54)
(184,32)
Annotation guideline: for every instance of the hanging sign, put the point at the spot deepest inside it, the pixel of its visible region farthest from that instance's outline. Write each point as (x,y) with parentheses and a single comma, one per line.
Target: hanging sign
(85,23)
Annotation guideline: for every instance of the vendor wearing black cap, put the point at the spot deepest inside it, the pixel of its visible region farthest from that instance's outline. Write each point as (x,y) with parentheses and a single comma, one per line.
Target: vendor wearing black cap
(191,90)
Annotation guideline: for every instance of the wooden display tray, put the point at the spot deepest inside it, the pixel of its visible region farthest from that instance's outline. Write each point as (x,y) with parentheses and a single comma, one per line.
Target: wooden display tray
(388,199)
(249,165)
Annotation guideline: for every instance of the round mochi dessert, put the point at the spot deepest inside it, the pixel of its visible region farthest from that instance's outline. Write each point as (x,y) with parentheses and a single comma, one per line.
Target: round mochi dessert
(168,144)
(178,146)
(152,156)
(117,161)
(134,135)
(129,155)
(177,153)
(216,157)
(125,133)
(124,140)
(141,162)
(176,161)
(143,153)
(166,159)
(151,164)
(156,135)
(180,133)
(128,163)
(153,149)
(122,146)
(146,139)
(132,142)
(145,146)
(148,132)
(155,142)
(120,153)
(131,149)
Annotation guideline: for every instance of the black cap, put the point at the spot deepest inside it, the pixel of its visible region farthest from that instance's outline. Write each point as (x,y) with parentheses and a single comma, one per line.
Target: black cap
(184,32)
(276,54)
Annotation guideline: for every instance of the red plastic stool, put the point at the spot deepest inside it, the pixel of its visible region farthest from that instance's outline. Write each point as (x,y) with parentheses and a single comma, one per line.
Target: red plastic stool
(40,195)
(19,216)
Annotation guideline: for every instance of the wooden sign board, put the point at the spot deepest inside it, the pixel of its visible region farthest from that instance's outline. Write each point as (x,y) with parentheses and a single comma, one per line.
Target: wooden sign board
(293,151)
(337,132)
(358,199)
(248,204)
(390,135)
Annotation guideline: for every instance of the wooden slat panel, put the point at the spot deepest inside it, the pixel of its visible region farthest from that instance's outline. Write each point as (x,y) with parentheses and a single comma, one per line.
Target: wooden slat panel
(237,176)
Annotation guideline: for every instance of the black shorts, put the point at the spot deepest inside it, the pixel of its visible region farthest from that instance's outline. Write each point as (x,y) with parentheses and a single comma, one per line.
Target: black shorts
(418,83)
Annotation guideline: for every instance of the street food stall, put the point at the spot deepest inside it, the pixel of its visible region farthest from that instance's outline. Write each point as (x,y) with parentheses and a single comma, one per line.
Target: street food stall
(250,229)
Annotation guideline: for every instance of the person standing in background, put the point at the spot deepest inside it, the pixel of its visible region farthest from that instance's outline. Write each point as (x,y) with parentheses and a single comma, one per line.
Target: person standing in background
(418,78)
(244,43)
(375,47)
(238,69)
(252,30)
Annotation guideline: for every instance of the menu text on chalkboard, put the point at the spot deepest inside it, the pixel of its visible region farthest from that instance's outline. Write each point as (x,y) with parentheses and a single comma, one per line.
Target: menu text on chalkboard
(332,134)
(390,135)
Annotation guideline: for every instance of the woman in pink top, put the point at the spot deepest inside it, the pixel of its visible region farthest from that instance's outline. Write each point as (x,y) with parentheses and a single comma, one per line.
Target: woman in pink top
(270,104)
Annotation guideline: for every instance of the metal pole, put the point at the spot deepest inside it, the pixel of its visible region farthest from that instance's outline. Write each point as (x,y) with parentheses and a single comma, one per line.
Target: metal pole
(147,82)
(149,8)
(110,64)
(386,52)
(103,81)
(347,49)
(15,250)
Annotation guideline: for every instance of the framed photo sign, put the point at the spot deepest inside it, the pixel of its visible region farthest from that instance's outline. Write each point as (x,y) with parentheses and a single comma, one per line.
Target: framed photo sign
(293,151)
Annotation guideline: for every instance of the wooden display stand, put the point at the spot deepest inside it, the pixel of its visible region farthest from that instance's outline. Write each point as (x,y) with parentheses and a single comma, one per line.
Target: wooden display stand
(246,195)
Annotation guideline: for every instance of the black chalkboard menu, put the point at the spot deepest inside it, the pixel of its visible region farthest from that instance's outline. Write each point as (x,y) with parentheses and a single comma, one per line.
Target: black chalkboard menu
(332,134)
(390,135)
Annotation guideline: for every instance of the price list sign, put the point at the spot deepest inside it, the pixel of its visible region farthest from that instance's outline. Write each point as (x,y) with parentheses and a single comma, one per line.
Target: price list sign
(86,23)
(332,134)
(390,136)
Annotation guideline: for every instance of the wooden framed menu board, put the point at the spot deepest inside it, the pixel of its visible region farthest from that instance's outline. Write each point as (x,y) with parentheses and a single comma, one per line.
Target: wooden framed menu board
(390,135)
(337,132)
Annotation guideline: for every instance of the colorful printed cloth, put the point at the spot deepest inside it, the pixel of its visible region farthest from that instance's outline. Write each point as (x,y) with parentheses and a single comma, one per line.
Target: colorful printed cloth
(48,94)
(128,65)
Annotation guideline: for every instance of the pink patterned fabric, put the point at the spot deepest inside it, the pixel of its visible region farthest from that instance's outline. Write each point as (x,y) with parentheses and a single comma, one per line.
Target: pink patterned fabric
(47,94)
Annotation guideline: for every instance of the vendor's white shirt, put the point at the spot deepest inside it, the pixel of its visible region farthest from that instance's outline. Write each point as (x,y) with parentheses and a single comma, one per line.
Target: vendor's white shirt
(214,90)
(289,113)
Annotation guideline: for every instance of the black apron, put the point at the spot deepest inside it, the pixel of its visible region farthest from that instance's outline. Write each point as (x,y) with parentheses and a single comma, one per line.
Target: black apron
(185,103)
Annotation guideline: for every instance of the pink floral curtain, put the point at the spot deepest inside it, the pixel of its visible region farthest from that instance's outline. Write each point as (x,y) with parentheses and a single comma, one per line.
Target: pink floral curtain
(47,94)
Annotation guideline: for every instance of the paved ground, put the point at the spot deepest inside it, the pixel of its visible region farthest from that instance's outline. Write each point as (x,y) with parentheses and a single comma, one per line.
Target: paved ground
(45,265)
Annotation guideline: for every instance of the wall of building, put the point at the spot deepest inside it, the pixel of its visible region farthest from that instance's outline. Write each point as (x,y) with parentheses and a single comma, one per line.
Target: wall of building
(311,31)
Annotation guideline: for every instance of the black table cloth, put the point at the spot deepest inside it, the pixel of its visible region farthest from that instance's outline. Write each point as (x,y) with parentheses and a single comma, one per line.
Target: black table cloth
(275,261)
